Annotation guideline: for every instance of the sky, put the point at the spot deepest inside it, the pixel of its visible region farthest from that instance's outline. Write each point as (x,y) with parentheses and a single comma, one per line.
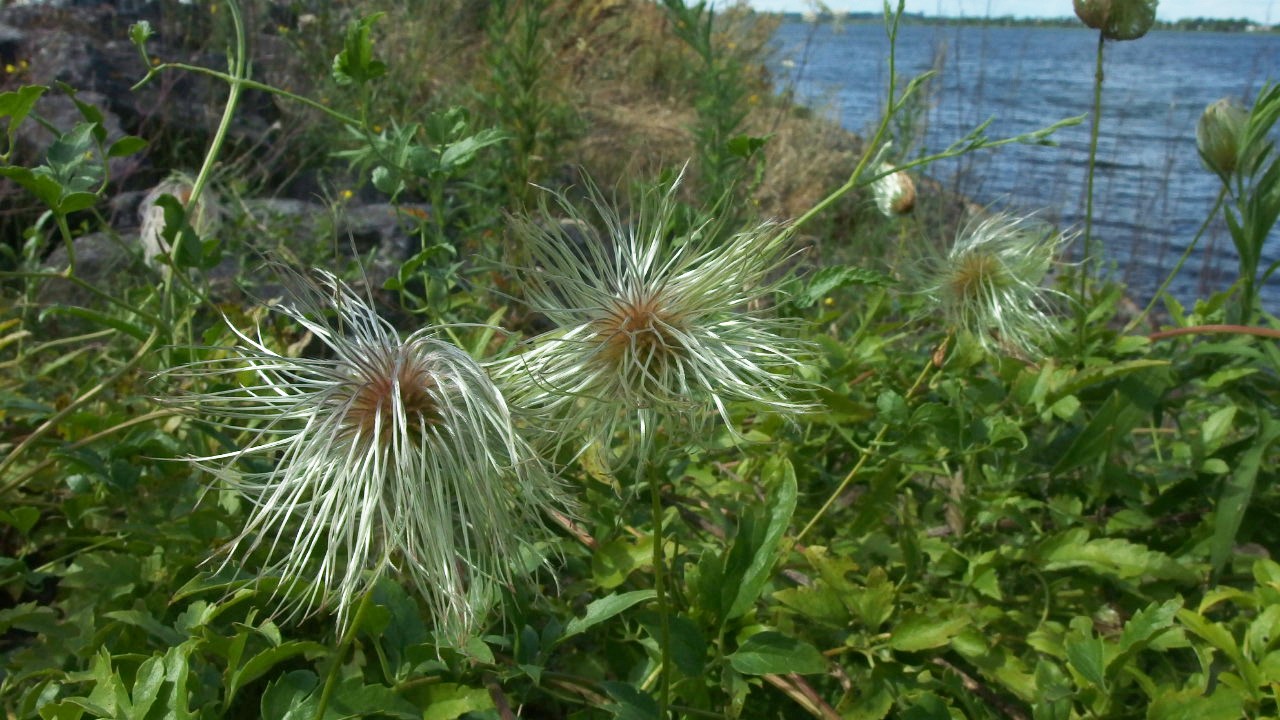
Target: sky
(1261,11)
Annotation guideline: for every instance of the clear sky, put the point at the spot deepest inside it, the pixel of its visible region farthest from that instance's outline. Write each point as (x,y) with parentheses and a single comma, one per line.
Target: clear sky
(1260,11)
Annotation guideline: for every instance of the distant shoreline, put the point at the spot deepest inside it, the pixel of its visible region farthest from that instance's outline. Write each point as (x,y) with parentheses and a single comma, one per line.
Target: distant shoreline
(1185,25)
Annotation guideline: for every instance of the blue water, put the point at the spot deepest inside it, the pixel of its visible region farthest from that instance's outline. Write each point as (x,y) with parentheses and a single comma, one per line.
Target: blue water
(1151,190)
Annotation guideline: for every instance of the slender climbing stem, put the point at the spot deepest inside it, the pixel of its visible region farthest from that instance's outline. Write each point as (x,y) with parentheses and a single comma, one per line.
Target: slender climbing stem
(1271,333)
(348,639)
(875,443)
(648,468)
(1222,194)
(76,405)
(1086,266)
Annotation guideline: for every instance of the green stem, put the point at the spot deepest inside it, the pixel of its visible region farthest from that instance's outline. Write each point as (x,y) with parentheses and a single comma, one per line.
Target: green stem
(65,231)
(251,85)
(1087,251)
(875,442)
(70,447)
(1218,330)
(1222,194)
(75,405)
(102,295)
(648,469)
(348,639)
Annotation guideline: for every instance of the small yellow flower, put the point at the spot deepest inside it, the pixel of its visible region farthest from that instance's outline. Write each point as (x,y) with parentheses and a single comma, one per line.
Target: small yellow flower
(9,68)
(346,194)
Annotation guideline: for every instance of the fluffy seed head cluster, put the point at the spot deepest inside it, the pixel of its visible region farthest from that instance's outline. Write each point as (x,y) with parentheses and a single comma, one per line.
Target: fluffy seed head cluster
(895,193)
(386,456)
(650,324)
(989,285)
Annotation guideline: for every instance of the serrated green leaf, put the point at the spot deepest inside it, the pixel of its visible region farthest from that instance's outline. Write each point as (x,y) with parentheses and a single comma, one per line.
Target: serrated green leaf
(126,146)
(260,664)
(146,622)
(755,549)
(146,685)
(448,701)
(1224,704)
(1237,490)
(1109,556)
(629,702)
(771,652)
(1086,653)
(834,277)
(921,632)
(355,64)
(604,608)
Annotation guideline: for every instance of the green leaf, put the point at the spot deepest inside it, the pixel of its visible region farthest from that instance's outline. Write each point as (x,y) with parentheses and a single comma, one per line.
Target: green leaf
(771,652)
(144,620)
(832,278)
(1224,704)
(1146,625)
(922,632)
(1237,490)
(146,685)
(355,64)
(1086,653)
(100,318)
(22,518)
(629,702)
(290,697)
(1109,556)
(44,187)
(460,153)
(604,608)
(755,549)
(127,145)
(744,146)
(353,698)
(260,664)
(1220,638)
(448,701)
(16,105)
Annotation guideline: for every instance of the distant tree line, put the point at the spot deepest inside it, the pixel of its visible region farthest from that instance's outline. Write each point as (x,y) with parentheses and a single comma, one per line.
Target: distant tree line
(1196,24)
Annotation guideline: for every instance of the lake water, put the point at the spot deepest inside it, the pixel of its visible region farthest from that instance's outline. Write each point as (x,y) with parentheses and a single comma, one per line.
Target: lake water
(1151,190)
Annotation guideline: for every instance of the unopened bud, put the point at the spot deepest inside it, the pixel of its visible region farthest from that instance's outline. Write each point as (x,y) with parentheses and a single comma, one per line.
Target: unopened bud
(1117,19)
(1218,136)
(895,193)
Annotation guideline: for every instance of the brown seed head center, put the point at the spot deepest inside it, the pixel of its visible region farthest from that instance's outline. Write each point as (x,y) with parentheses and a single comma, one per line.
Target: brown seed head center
(641,329)
(975,275)
(371,404)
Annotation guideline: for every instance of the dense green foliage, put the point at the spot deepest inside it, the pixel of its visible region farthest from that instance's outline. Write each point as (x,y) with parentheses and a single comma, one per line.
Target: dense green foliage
(954,524)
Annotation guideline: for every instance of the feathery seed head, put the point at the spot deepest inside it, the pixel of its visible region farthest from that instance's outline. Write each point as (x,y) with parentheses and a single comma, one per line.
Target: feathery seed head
(204,217)
(989,284)
(650,323)
(389,456)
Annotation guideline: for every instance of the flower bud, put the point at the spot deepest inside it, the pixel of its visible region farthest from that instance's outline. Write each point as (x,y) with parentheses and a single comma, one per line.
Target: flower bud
(1117,19)
(895,193)
(1218,135)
